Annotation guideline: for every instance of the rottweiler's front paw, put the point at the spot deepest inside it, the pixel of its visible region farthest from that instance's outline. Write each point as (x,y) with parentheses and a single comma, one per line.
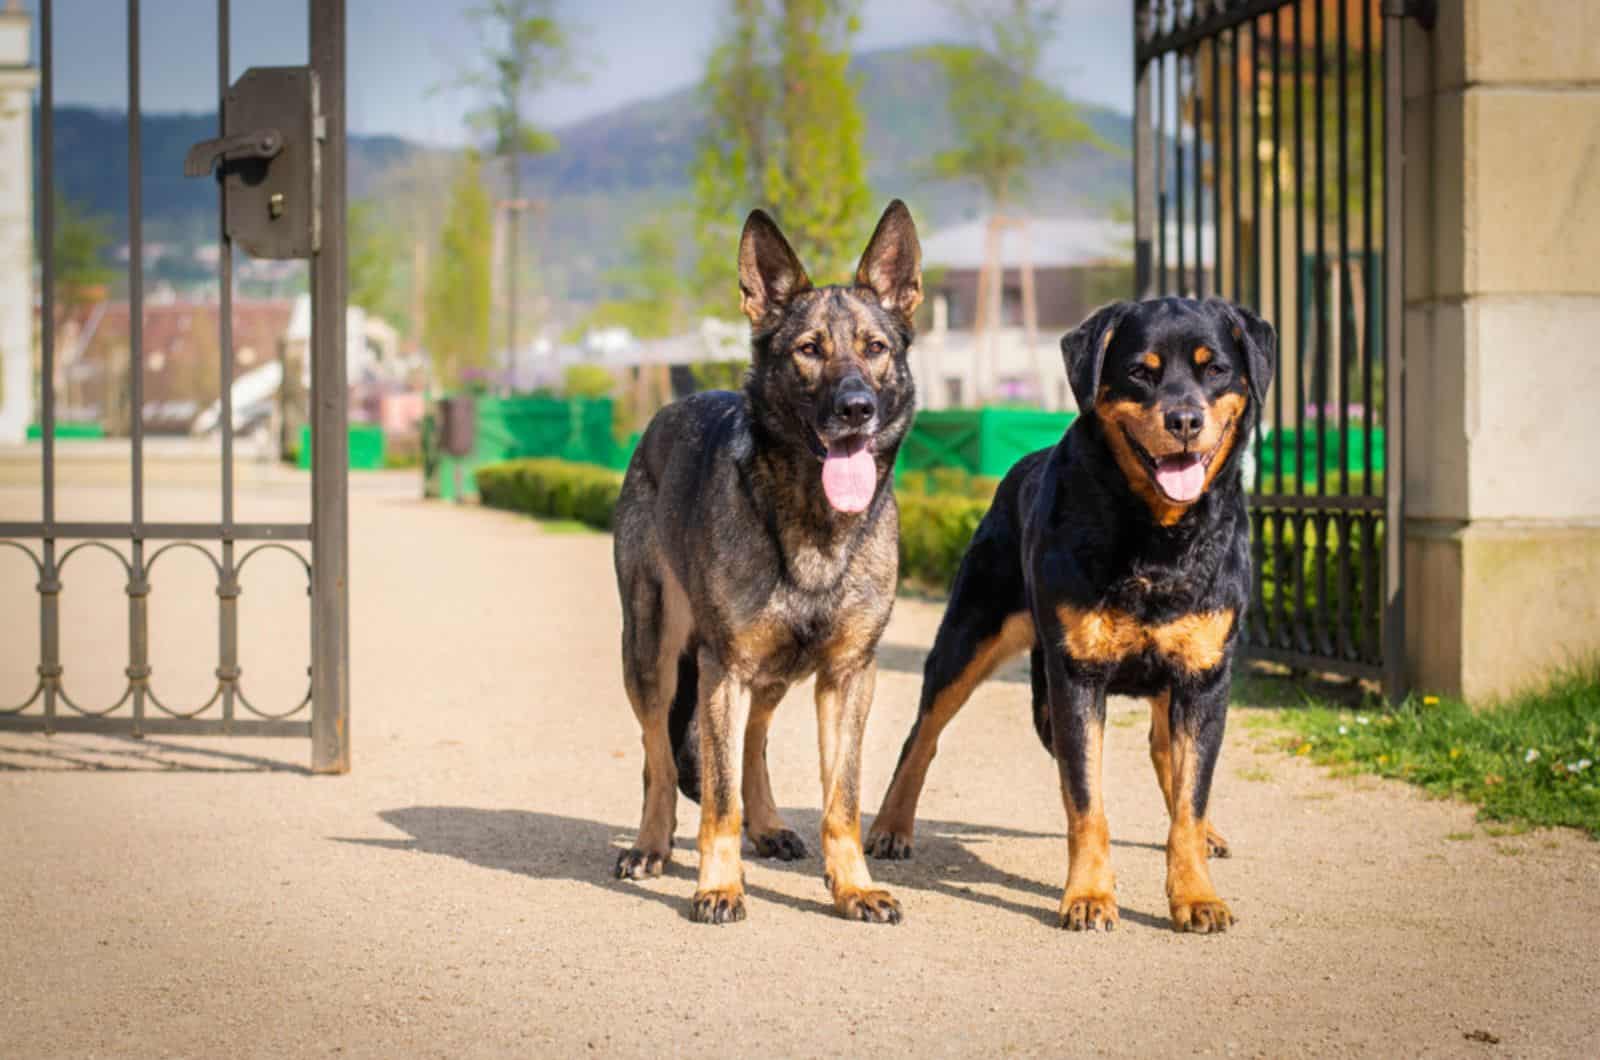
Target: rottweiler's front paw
(721,905)
(1203,916)
(1089,912)
(636,864)
(1216,846)
(888,844)
(871,906)
(785,845)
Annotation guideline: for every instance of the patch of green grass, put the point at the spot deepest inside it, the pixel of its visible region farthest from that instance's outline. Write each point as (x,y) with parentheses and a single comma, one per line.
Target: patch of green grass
(1531,761)
(1257,776)
(1456,837)
(565,526)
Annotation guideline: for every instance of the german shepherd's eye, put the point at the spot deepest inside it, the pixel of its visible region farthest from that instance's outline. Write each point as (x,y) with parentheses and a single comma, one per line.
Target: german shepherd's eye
(808,349)
(877,348)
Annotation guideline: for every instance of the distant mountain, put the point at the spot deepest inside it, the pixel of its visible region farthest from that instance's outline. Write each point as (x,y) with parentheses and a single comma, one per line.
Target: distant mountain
(612,170)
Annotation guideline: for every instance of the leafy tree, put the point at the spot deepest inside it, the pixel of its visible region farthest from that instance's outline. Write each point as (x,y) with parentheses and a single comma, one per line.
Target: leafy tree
(587,381)
(376,250)
(654,291)
(785,133)
(1006,120)
(456,310)
(530,50)
(80,241)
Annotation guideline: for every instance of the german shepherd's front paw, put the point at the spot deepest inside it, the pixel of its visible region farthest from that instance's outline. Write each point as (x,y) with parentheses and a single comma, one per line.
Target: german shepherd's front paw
(636,864)
(1089,912)
(1203,916)
(785,845)
(889,845)
(874,907)
(720,905)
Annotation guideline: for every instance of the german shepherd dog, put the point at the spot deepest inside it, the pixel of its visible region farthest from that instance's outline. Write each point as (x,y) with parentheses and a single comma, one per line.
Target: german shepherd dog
(1120,558)
(757,544)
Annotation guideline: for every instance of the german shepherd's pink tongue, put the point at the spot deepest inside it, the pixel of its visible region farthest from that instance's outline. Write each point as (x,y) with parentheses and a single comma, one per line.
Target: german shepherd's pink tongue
(1181,477)
(849,474)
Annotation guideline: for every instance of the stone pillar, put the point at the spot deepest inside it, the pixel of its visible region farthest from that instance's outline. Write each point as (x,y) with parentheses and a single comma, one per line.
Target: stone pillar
(17,81)
(1502,285)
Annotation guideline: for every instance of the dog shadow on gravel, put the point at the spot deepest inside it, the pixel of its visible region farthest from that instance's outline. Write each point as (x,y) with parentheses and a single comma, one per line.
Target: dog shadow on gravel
(544,846)
(548,846)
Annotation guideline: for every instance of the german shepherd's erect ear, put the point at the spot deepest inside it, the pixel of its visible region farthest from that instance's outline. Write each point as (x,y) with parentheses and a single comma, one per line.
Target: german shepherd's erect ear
(770,274)
(1084,351)
(891,266)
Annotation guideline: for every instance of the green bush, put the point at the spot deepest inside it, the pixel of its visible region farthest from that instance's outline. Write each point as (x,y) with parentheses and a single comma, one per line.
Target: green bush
(934,532)
(552,489)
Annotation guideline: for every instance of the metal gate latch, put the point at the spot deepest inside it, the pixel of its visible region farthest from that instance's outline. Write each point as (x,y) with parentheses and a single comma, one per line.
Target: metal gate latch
(263,143)
(267,160)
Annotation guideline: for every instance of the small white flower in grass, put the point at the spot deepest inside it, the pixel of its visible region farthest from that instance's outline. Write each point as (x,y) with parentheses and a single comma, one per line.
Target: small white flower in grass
(1343,729)
(1362,719)
(1532,755)
(1582,764)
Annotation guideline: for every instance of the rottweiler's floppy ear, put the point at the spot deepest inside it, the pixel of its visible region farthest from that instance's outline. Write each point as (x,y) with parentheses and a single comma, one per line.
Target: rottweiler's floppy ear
(769,273)
(1260,345)
(1084,351)
(891,266)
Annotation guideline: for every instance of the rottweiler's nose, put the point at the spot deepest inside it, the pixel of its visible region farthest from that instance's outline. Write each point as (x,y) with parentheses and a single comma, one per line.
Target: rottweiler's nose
(1185,424)
(854,402)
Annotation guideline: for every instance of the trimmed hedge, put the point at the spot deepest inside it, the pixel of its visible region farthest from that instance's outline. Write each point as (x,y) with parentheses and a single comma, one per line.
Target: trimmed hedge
(934,531)
(552,489)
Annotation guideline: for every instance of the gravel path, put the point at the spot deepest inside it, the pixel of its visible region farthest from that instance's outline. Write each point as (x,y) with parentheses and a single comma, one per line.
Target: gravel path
(451,897)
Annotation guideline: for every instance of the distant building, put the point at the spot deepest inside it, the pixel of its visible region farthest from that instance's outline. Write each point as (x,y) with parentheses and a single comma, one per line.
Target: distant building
(1078,264)
(182,359)
(17,81)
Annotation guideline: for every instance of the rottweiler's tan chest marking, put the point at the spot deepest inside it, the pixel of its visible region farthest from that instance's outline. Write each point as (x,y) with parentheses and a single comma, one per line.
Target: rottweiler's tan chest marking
(1105,635)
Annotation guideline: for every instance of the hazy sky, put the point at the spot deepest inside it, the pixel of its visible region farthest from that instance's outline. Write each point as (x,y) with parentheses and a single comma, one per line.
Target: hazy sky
(403,51)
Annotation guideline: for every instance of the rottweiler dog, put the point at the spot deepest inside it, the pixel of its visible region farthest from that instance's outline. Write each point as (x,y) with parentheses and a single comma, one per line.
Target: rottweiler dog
(1120,558)
(757,544)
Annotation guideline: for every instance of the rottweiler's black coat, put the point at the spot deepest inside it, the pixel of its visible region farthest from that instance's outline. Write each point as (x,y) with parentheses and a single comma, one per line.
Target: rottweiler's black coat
(1120,558)
(756,544)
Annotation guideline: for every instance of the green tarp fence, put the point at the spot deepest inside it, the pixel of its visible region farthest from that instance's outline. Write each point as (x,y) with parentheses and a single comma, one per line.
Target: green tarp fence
(510,428)
(366,447)
(981,442)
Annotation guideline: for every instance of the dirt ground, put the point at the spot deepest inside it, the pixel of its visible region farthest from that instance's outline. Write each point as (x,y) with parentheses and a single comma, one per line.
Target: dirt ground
(452,896)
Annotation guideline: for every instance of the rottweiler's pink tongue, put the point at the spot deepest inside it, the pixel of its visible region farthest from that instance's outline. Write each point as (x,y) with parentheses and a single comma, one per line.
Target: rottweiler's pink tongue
(1181,477)
(849,475)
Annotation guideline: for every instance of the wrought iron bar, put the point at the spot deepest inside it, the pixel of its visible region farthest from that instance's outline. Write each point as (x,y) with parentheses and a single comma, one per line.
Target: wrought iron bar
(330,458)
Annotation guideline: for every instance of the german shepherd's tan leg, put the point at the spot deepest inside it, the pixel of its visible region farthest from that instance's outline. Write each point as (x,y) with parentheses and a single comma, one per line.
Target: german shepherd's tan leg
(1190,893)
(966,651)
(724,711)
(1161,758)
(654,628)
(843,700)
(769,834)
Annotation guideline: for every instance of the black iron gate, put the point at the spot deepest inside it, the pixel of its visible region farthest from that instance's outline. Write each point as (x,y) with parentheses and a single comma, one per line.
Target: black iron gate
(1267,162)
(281,194)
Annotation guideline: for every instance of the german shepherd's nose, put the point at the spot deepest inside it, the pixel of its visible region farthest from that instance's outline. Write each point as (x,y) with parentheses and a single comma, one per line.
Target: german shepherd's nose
(854,402)
(1185,424)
